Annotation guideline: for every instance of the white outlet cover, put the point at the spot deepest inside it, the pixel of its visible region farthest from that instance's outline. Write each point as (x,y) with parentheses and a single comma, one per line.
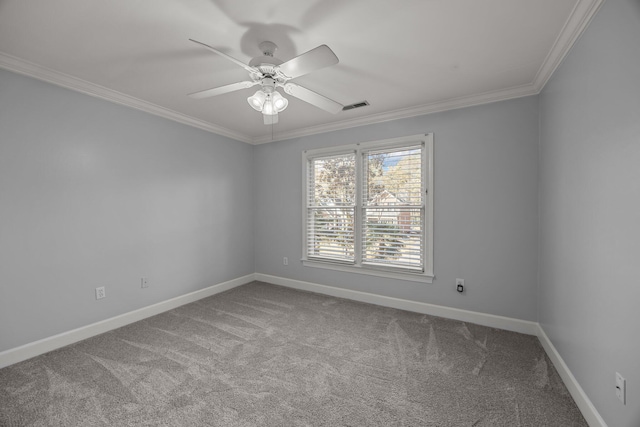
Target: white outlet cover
(100,293)
(620,388)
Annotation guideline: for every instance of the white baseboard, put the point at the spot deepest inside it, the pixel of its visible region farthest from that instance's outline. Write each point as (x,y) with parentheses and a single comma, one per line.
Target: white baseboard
(36,348)
(589,411)
(493,321)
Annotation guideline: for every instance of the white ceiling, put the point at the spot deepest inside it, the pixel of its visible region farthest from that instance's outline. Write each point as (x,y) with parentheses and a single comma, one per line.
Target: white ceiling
(405,57)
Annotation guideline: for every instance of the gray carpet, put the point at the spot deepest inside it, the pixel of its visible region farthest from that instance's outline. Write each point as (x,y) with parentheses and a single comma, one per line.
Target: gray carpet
(264,355)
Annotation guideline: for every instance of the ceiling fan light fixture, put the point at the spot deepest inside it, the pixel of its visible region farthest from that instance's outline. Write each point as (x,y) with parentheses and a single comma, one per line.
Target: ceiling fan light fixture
(269,103)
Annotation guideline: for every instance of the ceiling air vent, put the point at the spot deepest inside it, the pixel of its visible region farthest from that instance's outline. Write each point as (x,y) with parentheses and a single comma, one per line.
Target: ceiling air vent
(356,105)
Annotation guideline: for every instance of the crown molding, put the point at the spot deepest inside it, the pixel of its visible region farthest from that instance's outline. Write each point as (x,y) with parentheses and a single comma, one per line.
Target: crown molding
(435,107)
(48,75)
(580,17)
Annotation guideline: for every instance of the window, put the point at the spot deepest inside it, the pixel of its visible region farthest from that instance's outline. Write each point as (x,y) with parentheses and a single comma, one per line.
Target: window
(368,208)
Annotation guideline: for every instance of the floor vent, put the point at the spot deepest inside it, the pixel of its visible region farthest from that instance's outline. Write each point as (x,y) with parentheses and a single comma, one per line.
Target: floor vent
(356,105)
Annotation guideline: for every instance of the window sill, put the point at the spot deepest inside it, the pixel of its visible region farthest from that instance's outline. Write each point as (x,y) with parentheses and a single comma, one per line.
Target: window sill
(412,277)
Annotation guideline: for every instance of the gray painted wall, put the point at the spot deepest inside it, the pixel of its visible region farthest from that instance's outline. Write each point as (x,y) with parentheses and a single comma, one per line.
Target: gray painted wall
(590,210)
(486,214)
(96,194)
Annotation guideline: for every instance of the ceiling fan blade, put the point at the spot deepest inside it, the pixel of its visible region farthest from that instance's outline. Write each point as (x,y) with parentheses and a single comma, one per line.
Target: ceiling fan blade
(221,89)
(315,59)
(270,119)
(313,98)
(224,55)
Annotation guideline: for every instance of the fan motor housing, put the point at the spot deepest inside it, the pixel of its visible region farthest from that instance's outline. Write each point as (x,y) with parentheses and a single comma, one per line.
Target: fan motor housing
(266,64)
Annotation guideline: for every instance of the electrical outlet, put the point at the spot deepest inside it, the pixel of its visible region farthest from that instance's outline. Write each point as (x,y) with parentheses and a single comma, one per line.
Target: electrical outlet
(100,292)
(621,391)
(460,285)
(285,261)
(144,282)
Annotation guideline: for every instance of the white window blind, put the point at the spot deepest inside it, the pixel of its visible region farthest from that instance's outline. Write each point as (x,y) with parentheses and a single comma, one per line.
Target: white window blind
(331,202)
(393,208)
(369,208)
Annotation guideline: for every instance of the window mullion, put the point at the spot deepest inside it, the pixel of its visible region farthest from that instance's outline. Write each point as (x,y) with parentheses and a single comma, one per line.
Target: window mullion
(306,185)
(358,211)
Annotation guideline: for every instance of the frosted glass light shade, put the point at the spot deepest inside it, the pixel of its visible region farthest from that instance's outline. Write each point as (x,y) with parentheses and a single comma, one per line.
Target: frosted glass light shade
(257,100)
(279,102)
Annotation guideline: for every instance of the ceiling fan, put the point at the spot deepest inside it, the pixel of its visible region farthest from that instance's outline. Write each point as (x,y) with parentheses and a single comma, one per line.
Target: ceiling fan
(271,73)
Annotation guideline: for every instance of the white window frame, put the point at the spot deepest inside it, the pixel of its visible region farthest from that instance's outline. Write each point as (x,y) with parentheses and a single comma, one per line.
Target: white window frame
(426,275)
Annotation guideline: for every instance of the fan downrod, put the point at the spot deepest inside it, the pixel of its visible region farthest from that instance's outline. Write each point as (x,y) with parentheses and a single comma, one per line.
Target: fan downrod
(268,48)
